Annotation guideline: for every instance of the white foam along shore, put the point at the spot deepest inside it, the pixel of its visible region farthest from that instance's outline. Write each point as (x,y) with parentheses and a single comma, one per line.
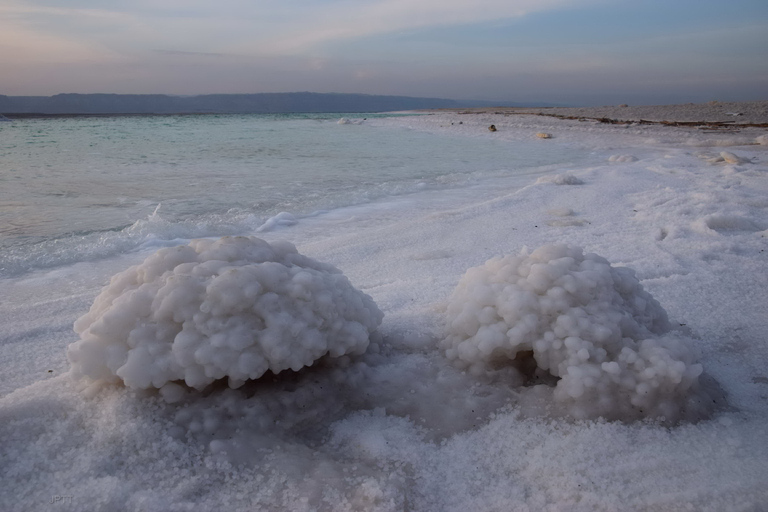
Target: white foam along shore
(401,428)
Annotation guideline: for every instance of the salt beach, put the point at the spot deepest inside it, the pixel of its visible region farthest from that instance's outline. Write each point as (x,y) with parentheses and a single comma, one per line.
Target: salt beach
(404,417)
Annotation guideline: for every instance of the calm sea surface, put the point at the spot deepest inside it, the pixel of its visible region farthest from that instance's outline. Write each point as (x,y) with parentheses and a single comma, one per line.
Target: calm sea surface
(72,189)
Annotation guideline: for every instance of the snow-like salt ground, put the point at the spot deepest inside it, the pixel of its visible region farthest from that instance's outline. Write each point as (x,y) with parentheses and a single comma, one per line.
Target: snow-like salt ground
(400,428)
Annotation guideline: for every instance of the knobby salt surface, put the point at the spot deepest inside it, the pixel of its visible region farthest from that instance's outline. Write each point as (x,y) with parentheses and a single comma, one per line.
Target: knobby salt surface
(233,308)
(558,312)
(403,428)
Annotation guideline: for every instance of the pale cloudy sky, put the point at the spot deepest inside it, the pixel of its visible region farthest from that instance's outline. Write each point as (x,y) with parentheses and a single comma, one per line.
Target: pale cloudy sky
(559,51)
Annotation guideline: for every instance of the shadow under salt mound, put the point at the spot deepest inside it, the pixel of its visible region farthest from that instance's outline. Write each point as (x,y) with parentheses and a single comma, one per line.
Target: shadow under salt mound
(538,401)
(534,394)
(566,222)
(432,255)
(293,412)
(564,217)
(726,225)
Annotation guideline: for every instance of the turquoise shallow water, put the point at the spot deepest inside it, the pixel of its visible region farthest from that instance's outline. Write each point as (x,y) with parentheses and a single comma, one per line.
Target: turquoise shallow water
(80,188)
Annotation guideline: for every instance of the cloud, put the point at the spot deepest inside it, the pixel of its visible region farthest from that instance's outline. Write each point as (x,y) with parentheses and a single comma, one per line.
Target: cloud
(26,43)
(327,22)
(189,54)
(260,27)
(31,35)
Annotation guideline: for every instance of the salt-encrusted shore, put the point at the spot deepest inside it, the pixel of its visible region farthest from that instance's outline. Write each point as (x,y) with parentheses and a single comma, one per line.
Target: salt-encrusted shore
(404,426)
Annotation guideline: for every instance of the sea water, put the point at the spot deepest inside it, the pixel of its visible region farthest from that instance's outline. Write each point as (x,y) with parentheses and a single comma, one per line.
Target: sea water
(76,189)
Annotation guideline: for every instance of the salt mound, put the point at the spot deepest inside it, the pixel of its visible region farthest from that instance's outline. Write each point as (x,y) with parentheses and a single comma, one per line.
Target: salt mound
(561,179)
(235,308)
(622,158)
(733,159)
(581,320)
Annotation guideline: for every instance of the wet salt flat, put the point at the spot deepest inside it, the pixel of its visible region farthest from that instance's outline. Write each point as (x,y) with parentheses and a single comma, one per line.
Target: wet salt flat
(409,425)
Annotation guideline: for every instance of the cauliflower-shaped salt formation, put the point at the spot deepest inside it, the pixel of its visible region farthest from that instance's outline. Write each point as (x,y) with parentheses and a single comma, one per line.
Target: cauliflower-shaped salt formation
(582,320)
(234,308)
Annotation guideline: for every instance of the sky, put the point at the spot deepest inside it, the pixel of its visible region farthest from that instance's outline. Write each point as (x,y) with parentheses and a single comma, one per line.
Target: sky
(571,52)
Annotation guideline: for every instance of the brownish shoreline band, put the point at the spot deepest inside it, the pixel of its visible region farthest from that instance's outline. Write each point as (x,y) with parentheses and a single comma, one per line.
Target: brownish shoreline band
(606,120)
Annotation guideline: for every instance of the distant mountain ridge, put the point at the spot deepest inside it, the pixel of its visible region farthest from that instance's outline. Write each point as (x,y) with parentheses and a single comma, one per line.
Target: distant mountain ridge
(261,103)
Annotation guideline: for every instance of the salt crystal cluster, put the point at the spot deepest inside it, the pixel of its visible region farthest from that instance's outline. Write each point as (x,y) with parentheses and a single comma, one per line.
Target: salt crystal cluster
(234,308)
(583,321)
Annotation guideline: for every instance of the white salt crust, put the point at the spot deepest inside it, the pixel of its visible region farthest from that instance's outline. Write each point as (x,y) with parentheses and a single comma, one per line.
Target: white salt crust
(401,429)
(583,321)
(233,308)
